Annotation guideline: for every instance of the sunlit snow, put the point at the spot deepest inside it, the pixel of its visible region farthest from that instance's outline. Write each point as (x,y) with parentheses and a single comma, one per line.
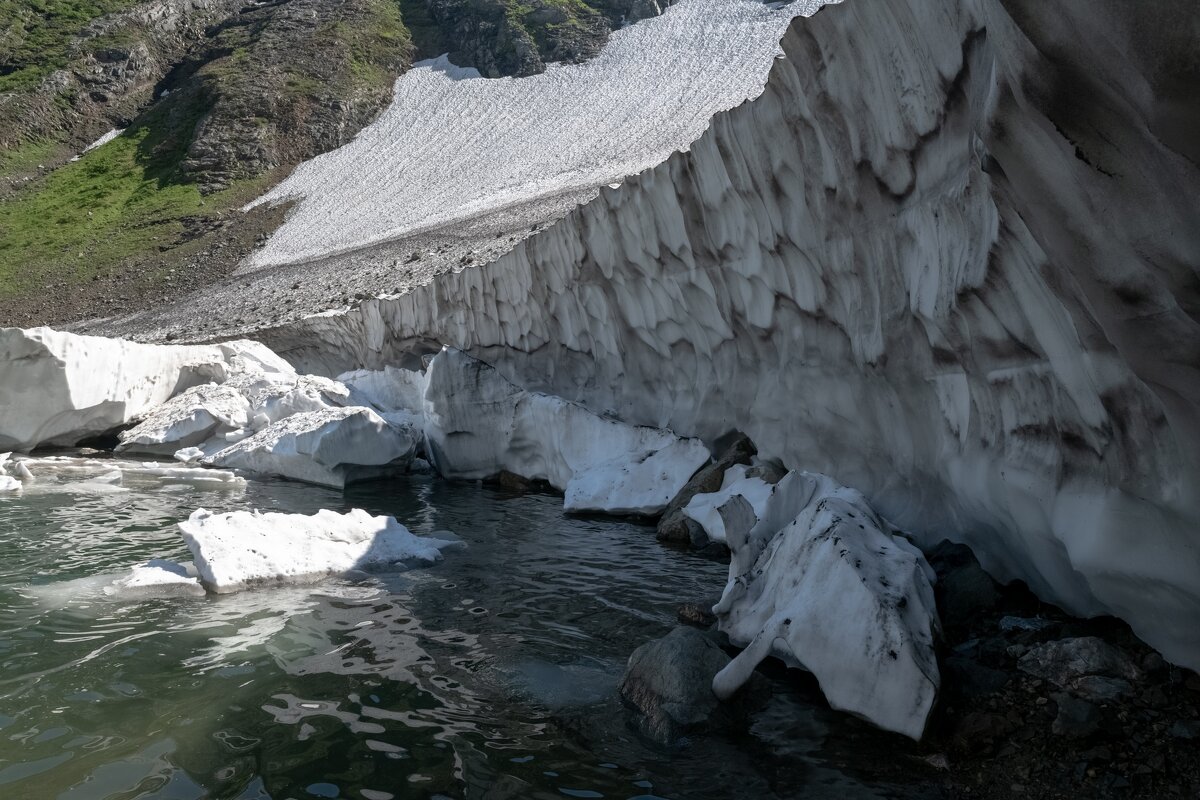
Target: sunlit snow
(450,147)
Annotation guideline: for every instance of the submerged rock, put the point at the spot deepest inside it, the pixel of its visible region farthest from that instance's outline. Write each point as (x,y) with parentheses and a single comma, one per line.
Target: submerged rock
(669,683)
(834,591)
(242,549)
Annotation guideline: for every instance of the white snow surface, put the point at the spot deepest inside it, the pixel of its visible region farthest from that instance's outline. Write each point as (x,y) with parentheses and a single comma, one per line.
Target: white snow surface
(60,388)
(204,416)
(477,424)
(105,139)
(448,149)
(704,509)
(241,549)
(834,591)
(328,447)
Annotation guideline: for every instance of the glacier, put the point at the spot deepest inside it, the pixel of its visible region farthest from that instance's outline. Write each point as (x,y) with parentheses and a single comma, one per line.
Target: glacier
(948,256)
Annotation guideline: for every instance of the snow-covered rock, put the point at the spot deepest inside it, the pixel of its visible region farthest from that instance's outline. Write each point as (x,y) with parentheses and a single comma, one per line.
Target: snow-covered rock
(204,416)
(477,424)
(242,549)
(329,447)
(835,592)
(704,508)
(59,388)
(156,578)
(909,265)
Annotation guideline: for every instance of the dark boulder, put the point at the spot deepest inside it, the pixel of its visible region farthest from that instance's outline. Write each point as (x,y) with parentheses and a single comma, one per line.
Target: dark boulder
(668,683)
(963,591)
(674,526)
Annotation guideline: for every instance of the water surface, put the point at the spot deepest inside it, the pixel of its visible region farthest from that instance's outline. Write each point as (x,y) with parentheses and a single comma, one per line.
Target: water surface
(489,675)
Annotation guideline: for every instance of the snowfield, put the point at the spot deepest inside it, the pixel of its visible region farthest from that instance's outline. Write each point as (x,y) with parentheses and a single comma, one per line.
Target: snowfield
(451,147)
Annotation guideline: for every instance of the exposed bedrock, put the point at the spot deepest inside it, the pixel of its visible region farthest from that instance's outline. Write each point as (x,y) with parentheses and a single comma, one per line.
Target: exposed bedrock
(949,257)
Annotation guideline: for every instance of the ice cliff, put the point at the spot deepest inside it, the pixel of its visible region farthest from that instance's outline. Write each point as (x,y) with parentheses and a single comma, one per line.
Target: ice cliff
(948,257)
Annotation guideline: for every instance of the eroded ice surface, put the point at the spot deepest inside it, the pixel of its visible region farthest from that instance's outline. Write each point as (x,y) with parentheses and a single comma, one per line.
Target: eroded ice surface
(60,388)
(425,162)
(832,590)
(327,447)
(477,424)
(240,549)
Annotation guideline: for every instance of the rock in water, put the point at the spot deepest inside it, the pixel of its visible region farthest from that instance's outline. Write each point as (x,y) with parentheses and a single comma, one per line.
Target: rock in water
(60,389)
(477,424)
(329,447)
(835,592)
(669,683)
(242,549)
(675,525)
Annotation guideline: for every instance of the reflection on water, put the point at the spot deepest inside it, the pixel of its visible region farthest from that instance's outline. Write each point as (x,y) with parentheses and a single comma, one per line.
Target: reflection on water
(490,675)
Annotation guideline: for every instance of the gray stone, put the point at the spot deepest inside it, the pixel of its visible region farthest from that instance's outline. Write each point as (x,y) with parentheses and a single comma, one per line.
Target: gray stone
(669,683)
(963,590)
(1066,661)
(674,526)
(1099,689)
(1076,718)
(1185,729)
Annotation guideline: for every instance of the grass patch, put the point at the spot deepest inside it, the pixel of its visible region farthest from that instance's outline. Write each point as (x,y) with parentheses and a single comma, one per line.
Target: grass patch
(118,203)
(26,157)
(36,36)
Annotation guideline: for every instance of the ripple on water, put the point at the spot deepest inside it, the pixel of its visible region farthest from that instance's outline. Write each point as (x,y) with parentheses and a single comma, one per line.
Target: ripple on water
(494,668)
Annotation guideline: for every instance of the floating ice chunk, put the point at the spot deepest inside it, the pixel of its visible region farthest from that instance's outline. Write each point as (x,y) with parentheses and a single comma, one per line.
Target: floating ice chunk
(60,388)
(835,592)
(477,424)
(10,485)
(704,508)
(329,447)
(156,578)
(109,475)
(241,549)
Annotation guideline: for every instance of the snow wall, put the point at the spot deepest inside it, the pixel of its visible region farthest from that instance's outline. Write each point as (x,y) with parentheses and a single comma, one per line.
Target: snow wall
(949,256)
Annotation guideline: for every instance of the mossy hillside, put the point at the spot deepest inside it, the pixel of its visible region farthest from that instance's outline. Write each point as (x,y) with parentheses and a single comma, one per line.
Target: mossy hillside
(119,202)
(36,36)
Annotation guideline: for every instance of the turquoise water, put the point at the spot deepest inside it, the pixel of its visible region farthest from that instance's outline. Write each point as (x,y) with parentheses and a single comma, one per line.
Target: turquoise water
(489,675)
